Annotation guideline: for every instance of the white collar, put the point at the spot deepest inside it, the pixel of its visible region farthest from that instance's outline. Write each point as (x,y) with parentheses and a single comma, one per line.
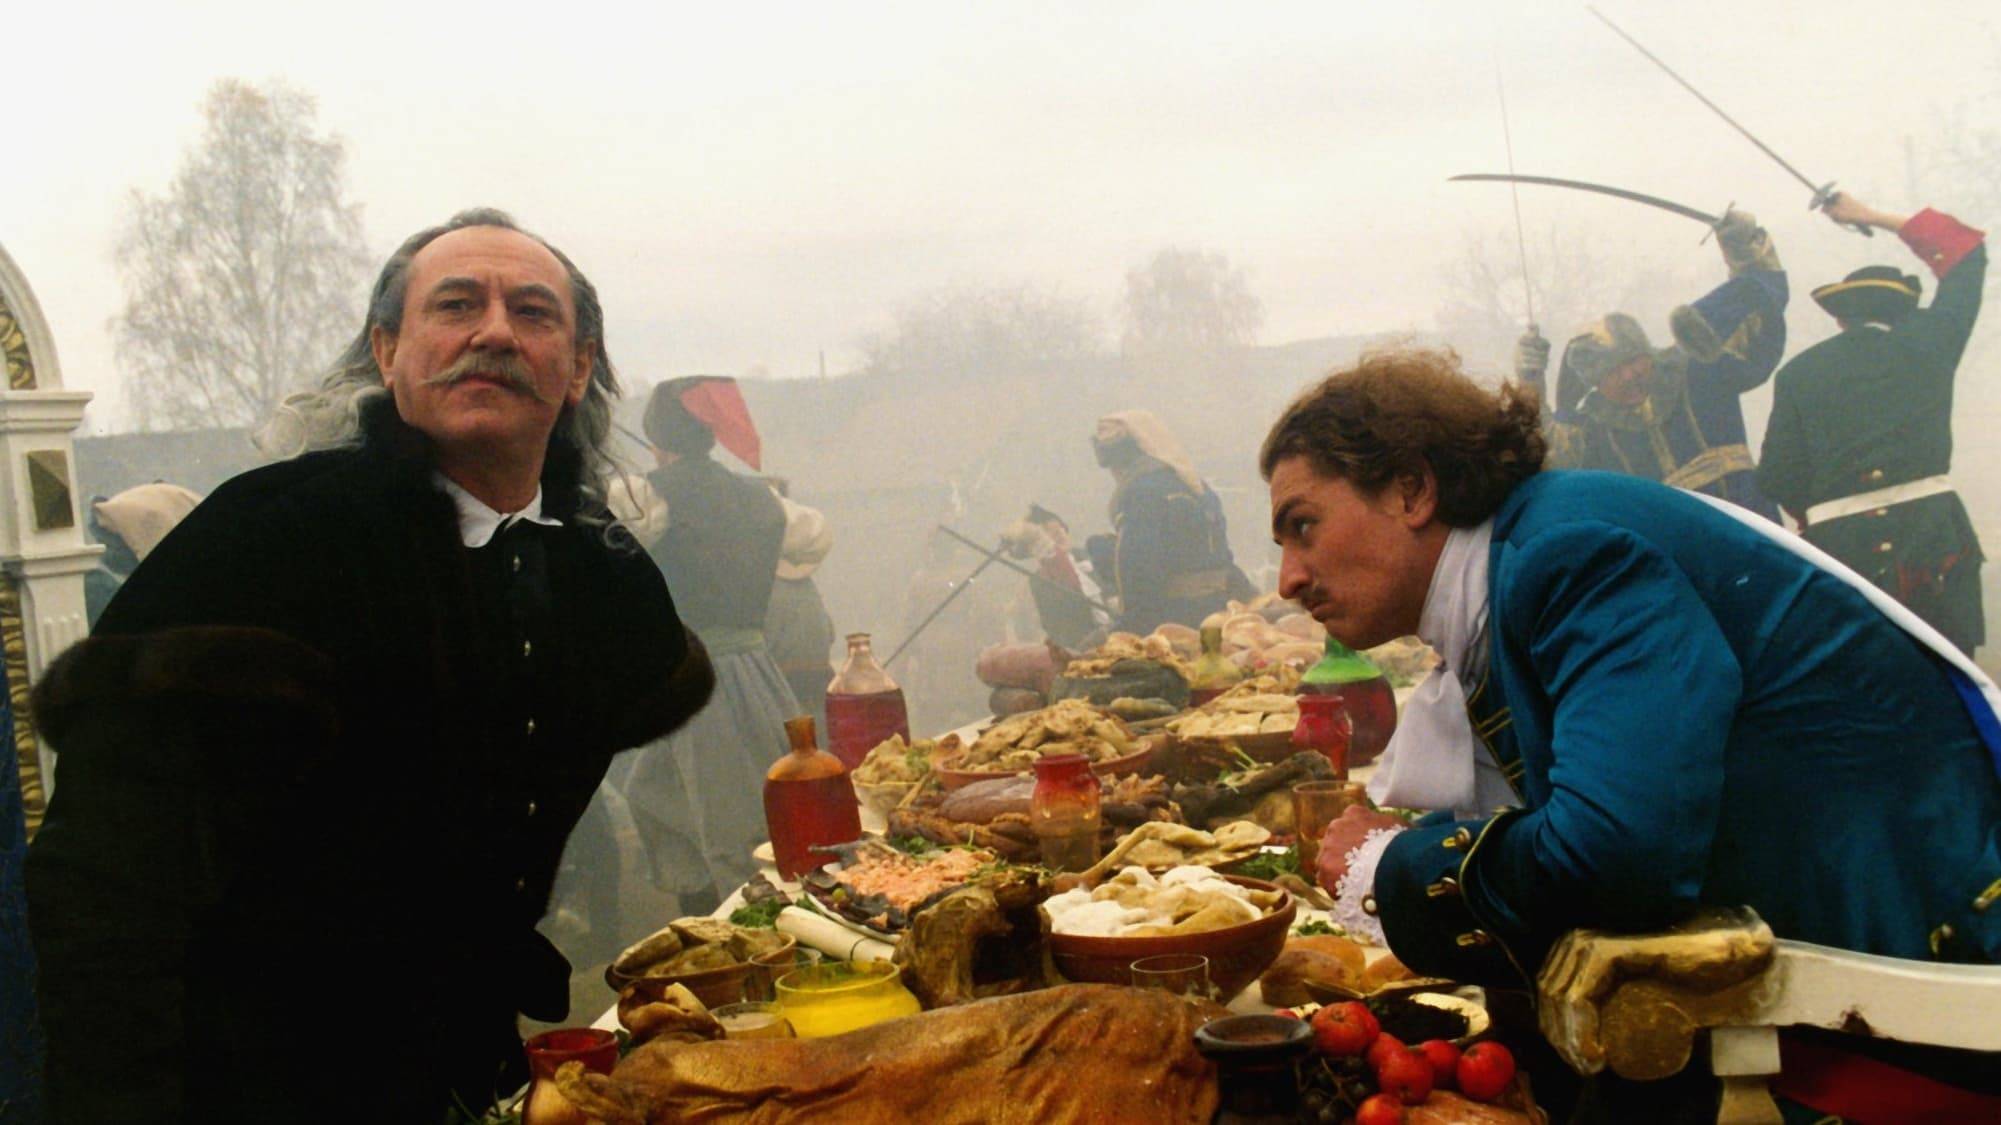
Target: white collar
(1433,759)
(1454,617)
(478,523)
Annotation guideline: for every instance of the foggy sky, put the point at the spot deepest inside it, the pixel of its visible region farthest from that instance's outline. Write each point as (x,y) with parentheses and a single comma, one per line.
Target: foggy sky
(749,187)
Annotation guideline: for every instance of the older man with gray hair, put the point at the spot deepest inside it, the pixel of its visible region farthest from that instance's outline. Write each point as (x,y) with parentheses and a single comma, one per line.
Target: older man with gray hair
(320,757)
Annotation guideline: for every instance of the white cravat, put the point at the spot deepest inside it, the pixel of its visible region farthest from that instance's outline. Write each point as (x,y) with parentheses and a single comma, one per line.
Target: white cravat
(478,522)
(1434,761)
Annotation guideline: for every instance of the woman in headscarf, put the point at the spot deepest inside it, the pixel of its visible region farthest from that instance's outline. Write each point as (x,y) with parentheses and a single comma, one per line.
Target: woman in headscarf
(130,525)
(697,794)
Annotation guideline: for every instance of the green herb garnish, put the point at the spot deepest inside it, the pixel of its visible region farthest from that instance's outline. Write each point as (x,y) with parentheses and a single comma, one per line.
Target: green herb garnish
(1317,926)
(911,845)
(1270,865)
(758,915)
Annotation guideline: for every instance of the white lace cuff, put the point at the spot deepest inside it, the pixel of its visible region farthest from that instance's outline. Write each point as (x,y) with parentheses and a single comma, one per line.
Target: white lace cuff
(1359,882)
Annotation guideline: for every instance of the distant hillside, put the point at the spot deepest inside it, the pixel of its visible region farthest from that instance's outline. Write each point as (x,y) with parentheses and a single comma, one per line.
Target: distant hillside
(197,459)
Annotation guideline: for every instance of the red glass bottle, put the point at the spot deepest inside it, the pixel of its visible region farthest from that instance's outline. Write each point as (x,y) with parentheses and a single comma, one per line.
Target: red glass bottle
(1064,811)
(1371,702)
(864,706)
(1324,727)
(808,802)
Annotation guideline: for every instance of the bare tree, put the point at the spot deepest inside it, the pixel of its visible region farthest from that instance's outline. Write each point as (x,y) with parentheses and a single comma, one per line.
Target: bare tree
(1188,302)
(1955,162)
(985,331)
(243,278)
(1577,278)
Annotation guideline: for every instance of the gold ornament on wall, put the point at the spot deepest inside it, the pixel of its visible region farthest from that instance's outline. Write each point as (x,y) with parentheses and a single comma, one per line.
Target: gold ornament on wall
(14,344)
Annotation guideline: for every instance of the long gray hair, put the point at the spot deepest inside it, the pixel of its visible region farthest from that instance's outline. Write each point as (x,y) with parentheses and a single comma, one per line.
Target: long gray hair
(332,414)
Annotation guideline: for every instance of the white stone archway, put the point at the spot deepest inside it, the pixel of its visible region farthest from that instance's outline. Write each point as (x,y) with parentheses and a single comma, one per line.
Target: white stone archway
(43,552)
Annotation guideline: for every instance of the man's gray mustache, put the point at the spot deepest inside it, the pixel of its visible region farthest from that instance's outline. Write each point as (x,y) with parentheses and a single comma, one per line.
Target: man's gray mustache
(506,367)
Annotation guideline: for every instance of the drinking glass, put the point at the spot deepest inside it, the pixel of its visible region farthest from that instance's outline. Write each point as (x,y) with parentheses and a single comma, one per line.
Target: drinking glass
(1315,805)
(1184,974)
(754,1019)
(760,983)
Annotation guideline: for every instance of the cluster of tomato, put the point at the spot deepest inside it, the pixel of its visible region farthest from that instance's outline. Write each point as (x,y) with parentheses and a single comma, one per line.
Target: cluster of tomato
(1350,1037)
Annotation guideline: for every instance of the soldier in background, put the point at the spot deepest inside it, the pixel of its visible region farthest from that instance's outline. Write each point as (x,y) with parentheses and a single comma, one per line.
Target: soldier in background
(1168,557)
(1062,603)
(1860,439)
(1672,414)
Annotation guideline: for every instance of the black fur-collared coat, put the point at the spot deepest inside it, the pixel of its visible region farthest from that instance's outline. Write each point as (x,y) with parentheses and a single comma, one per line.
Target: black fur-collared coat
(315,771)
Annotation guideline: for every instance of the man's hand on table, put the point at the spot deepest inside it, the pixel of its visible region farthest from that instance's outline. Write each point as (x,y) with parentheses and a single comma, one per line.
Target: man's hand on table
(1344,834)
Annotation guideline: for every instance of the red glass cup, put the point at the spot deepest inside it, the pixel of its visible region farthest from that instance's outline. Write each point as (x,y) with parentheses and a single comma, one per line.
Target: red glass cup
(1064,811)
(1324,727)
(594,1047)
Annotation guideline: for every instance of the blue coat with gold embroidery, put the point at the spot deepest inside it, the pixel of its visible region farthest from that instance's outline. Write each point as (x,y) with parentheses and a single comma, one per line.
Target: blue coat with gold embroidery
(1694,715)
(1690,430)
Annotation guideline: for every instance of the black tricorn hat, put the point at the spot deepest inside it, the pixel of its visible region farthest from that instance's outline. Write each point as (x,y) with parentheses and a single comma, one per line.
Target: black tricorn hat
(1879,293)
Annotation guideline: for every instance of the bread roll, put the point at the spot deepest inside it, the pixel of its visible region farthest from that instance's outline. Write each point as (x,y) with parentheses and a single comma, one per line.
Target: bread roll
(1324,958)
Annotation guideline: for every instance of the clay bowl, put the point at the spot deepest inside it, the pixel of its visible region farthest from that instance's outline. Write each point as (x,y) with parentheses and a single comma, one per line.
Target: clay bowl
(881,797)
(1237,954)
(1469,1001)
(1110,767)
(713,987)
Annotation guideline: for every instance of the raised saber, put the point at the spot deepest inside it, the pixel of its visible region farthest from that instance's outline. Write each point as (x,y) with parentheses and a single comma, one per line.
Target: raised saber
(1823,194)
(1668,205)
(996,556)
(992,557)
(961,588)
(1521,240)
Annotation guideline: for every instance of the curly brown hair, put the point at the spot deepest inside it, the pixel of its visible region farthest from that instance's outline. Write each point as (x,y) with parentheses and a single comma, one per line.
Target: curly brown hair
(1400,411)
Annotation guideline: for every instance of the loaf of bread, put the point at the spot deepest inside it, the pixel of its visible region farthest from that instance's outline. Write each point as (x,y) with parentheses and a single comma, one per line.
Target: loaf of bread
(1324,958)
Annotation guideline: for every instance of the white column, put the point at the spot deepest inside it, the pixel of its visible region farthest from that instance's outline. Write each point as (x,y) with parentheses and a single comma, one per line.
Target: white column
(43,549)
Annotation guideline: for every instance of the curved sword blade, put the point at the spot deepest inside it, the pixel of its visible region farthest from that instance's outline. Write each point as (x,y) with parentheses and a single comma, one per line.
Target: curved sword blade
(1713,107)
(1822,194)
(1599,189)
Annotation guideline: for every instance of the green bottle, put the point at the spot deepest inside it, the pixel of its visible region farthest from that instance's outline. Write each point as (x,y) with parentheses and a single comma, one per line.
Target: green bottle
(1365,692)
(1213,673)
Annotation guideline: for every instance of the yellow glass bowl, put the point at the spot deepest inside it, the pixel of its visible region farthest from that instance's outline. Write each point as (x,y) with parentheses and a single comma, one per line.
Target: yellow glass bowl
(843,996)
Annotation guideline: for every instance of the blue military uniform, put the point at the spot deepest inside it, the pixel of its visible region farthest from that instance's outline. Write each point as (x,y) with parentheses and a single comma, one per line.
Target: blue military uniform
(1170,560)
(1692,714)
(1689,432)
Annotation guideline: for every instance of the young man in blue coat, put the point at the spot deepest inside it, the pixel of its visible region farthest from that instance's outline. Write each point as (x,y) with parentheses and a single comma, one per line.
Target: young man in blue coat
(1674,704)
(1677,705)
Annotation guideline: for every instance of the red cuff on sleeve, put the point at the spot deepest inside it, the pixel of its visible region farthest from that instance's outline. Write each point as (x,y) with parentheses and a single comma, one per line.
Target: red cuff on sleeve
(1939,240)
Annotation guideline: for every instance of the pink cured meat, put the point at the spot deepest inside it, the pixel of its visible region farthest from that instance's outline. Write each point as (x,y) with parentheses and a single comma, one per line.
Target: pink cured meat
(1029,666)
